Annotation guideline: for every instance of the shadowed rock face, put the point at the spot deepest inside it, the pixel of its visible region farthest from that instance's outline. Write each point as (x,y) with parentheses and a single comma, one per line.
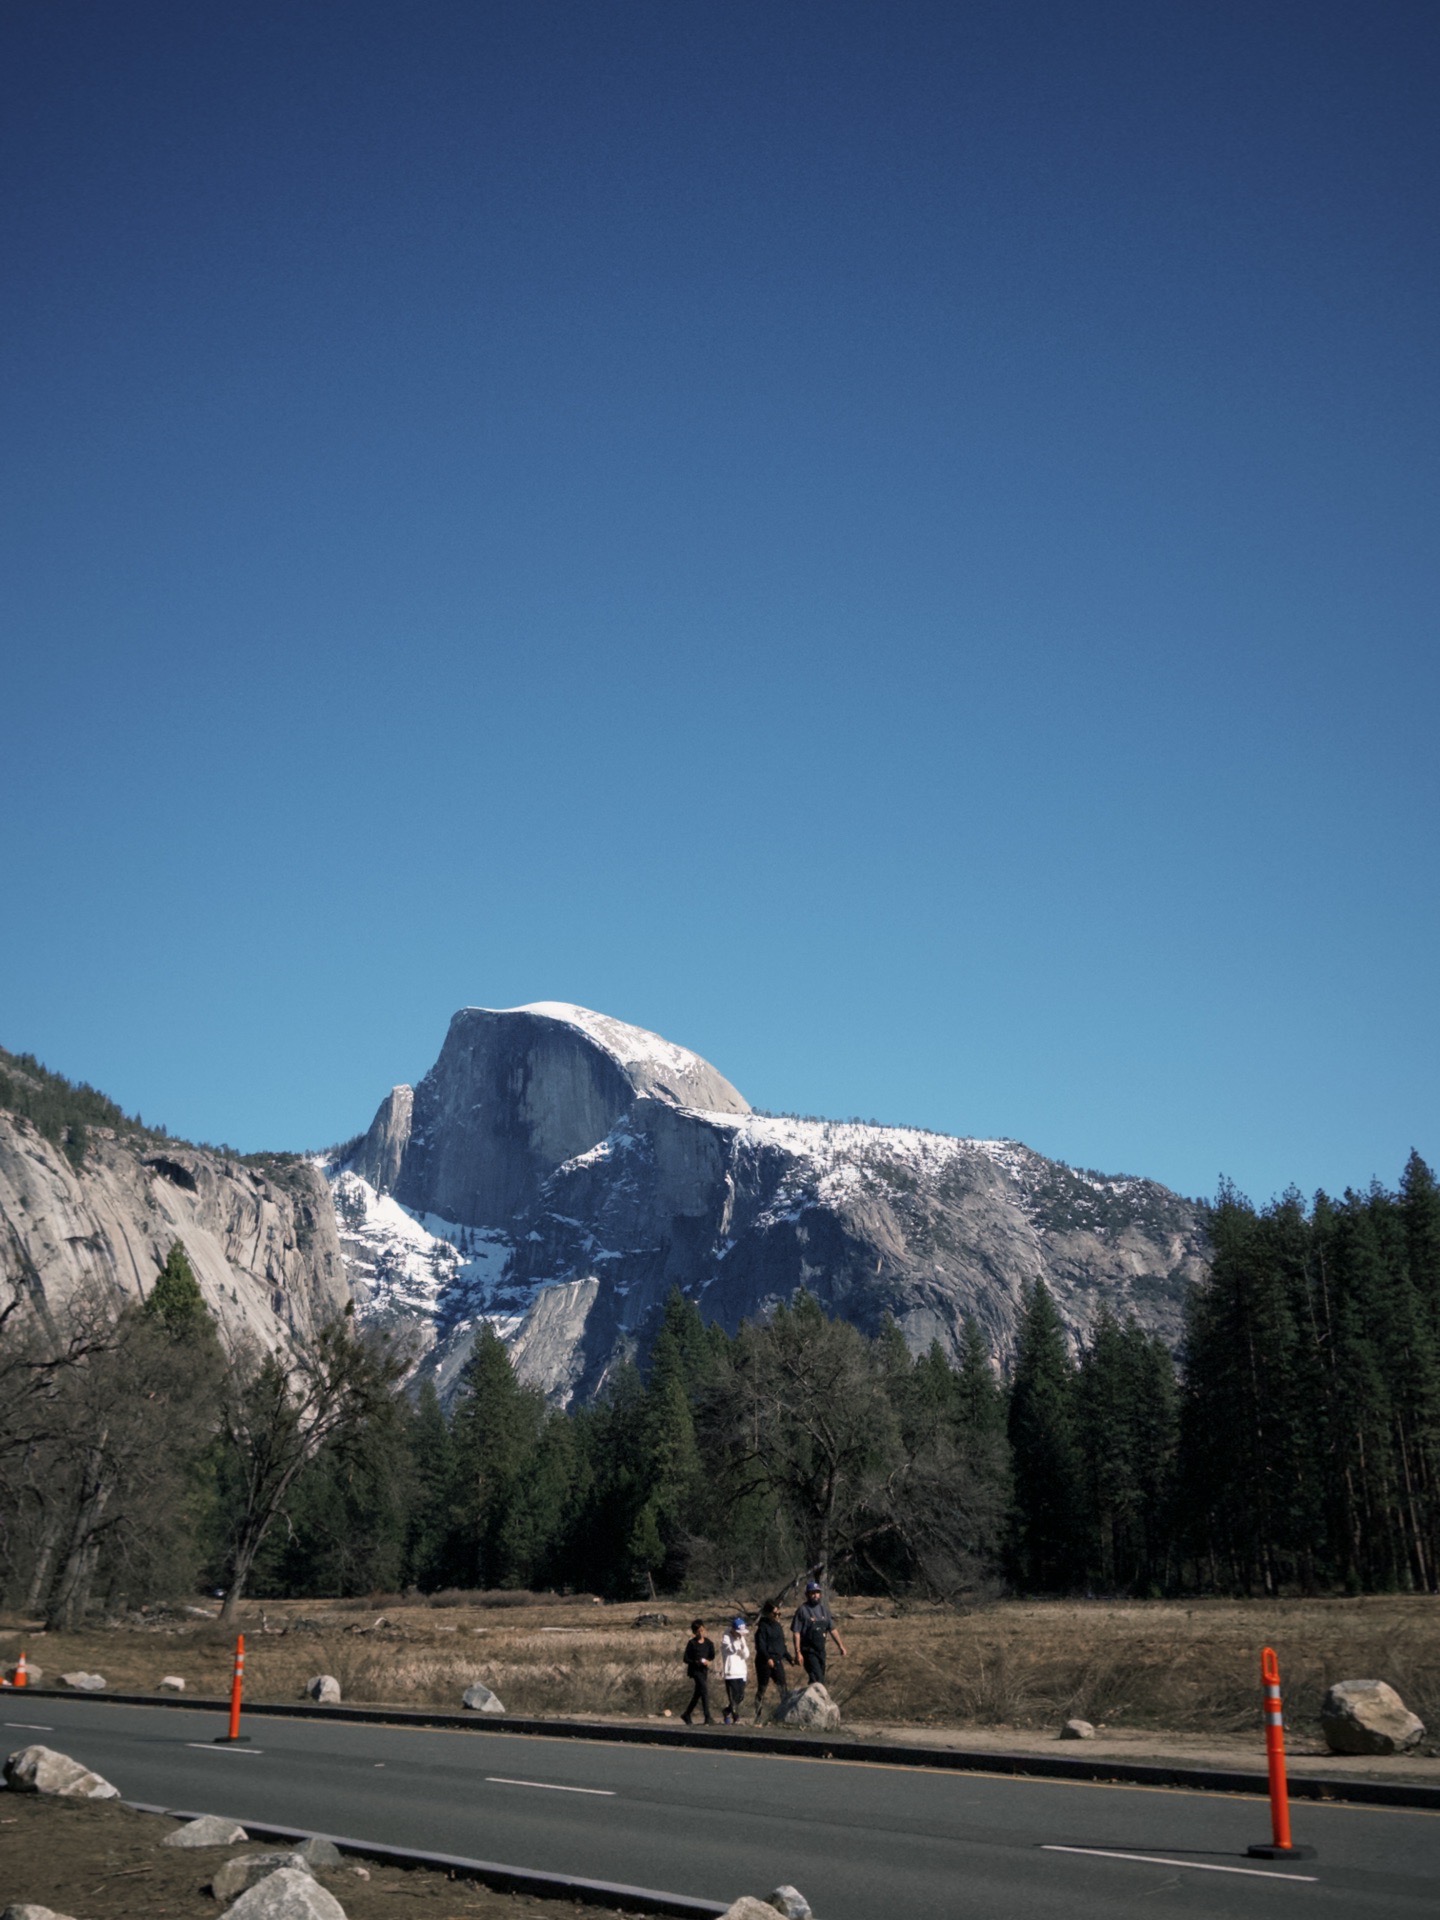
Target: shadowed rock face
(516,1094)
(572,1170)
(380,1154)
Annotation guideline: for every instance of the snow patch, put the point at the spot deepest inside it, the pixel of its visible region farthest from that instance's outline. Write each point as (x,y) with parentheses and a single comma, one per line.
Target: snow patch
(403,1262)
(635,1048)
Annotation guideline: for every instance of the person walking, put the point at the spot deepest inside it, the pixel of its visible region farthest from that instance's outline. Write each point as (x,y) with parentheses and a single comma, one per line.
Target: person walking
(770,1655)
(699,1658)
(812,1627)
(735,1665)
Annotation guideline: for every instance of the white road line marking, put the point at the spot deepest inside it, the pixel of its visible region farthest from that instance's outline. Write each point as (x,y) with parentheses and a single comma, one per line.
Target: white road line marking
(205,1746)
(500,1780)
(30,1726)
(1200,1866)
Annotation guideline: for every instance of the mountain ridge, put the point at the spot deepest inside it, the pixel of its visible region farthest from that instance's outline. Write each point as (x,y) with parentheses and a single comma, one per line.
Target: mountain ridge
(616,1189)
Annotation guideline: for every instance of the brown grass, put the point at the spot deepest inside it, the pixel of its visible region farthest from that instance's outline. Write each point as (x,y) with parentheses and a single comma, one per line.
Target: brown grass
(107,1862)
(1025,1664)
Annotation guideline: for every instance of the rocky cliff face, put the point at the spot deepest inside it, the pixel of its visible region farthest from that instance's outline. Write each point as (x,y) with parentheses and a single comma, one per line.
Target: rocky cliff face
(561,1172)
(260,1234)
(515,1095)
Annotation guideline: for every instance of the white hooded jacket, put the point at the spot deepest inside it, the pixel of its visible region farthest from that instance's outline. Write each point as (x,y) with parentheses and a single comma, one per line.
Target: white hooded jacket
(735,1653)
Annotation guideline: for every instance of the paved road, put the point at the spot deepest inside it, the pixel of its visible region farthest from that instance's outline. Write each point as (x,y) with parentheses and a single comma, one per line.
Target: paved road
(861,1842)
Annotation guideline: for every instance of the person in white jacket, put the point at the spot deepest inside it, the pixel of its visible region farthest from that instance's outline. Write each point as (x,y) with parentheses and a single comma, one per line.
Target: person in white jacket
(734,1666)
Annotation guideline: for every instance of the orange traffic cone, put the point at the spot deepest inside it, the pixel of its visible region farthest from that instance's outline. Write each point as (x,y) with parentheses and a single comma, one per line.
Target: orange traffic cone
(22,1672)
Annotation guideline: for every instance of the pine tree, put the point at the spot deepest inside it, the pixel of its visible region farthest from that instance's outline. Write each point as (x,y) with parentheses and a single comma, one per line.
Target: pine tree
(495,1433)
(1048,1536)
(979,1396)
(1244,1484)
(176,1301)
(429,1547)
(1126,1392)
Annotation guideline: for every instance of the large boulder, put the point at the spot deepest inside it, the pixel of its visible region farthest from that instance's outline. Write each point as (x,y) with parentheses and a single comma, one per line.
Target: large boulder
(210,1830)
(809,1707)
(287,1894)
(481,1700)
(42,1770)
(326,1689)
(84,1682)
(245,1870)
(1368,1716)
(27,1910)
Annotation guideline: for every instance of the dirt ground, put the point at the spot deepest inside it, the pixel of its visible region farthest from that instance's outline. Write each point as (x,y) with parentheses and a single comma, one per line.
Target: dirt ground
(1162,1679)
(96,1860)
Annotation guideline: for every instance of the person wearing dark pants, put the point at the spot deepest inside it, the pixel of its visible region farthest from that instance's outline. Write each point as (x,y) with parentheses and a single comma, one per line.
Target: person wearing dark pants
(699,1658)
(812,1627)
(735,1659)
(770,1655)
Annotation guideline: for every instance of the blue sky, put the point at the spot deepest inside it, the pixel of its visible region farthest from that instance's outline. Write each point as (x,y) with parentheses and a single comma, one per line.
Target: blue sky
(894,545)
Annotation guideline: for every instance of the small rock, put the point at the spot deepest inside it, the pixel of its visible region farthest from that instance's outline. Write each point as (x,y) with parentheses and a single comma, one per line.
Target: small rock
(84,1682)
(652,1619)
(287,1894)
(27,1910)
(42,1770)
(326,1689)
(316,1852)
(360,1873)
(749,1908)
(1368,1716)
(481,1699)
(246,1870)
(790,1903)
(210,1830)
(808,1707)
(172,1683)
(1077,1730)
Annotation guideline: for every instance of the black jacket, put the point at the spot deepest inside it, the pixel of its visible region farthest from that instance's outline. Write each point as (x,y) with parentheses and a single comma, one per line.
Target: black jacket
(769,1643)
(697,1651)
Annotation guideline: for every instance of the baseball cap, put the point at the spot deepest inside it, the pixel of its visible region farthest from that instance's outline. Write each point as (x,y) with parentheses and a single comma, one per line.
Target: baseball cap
(738,1621)
(812,1586)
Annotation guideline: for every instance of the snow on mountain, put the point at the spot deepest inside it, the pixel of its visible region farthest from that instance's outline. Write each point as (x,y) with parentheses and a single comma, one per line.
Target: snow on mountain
(655,1064)
(557,1172)
(406,1264)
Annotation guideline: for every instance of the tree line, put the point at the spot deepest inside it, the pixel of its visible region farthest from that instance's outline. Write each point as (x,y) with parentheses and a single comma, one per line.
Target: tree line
(1292,1444)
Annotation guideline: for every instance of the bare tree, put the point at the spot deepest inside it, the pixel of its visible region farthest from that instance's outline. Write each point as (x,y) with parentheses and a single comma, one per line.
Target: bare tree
(109,1412)
(276,1417)
(814,1426)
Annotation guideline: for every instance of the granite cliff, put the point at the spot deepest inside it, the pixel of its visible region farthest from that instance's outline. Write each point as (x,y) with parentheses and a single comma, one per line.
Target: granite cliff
(557,1172)
(259,1233)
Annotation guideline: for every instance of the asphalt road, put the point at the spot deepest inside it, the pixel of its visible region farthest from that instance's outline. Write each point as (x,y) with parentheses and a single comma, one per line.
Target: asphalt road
(861,1842)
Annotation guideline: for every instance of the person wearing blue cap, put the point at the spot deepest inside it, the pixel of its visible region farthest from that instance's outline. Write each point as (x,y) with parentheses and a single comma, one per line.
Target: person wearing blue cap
(812,1626)
(735,1667)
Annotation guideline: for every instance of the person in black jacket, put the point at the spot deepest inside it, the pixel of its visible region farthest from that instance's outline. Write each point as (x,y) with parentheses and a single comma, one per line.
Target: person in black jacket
(769,1654)
(699,1657)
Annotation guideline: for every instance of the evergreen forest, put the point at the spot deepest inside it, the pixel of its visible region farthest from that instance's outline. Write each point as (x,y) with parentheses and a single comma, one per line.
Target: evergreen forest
(1292,1445)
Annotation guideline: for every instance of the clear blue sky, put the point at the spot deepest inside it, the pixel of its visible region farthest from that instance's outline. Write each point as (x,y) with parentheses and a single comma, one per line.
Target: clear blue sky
(895,544)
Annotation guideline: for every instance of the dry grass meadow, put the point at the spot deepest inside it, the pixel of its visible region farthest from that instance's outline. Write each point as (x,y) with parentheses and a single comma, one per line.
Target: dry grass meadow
(1022,1666)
